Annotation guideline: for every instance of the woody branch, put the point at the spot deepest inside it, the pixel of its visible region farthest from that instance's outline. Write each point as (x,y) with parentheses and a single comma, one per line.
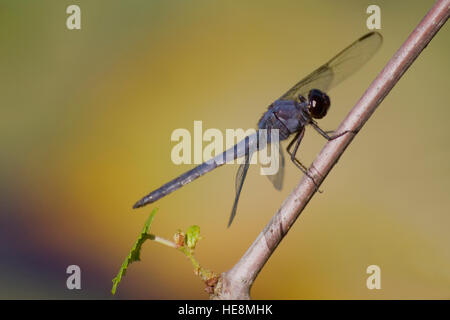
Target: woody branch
(236,283)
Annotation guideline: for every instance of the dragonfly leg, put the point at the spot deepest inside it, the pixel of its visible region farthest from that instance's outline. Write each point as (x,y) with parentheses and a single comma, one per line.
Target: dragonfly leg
(326,135)
(297,139)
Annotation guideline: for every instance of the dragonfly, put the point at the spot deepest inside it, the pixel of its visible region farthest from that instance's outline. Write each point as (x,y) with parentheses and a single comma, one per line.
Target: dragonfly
(303,104)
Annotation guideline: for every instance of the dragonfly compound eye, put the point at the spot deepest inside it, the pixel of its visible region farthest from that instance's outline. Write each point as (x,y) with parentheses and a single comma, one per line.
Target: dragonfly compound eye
(319,103)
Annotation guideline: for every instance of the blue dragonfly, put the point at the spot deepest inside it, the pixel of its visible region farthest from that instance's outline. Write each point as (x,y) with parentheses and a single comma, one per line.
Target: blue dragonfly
(300,106)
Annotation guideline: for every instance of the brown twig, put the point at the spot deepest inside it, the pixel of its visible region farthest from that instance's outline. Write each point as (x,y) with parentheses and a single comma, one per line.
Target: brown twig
(236,283)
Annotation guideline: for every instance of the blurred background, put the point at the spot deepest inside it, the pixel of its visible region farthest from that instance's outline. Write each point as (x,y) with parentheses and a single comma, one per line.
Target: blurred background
(87,116)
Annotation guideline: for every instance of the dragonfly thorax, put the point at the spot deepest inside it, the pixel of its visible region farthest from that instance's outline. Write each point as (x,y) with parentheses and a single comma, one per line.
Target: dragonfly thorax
(287,116)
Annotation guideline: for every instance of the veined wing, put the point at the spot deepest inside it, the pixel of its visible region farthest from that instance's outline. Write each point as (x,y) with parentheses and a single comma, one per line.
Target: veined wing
(344,64)
(278,178)
(240,178)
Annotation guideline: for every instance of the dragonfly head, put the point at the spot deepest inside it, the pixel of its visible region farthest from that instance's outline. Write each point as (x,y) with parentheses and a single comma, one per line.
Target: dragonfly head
(318,104)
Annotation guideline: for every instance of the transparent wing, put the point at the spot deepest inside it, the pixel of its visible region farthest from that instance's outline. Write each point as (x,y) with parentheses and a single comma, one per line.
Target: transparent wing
(240,177)
(277,179)
(338,68)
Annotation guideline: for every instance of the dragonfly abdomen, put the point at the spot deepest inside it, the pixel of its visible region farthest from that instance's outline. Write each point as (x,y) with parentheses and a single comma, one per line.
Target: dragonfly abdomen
(237,151)
(176,183)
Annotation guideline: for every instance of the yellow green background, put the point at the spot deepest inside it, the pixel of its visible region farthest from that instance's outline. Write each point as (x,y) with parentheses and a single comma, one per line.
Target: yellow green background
(87,115)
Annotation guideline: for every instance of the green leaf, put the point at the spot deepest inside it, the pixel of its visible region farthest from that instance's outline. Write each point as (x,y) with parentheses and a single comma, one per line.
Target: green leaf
(192,236)
(135,253)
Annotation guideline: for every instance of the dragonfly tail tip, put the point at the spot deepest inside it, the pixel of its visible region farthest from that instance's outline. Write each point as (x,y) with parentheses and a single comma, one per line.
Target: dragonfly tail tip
(138,204)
